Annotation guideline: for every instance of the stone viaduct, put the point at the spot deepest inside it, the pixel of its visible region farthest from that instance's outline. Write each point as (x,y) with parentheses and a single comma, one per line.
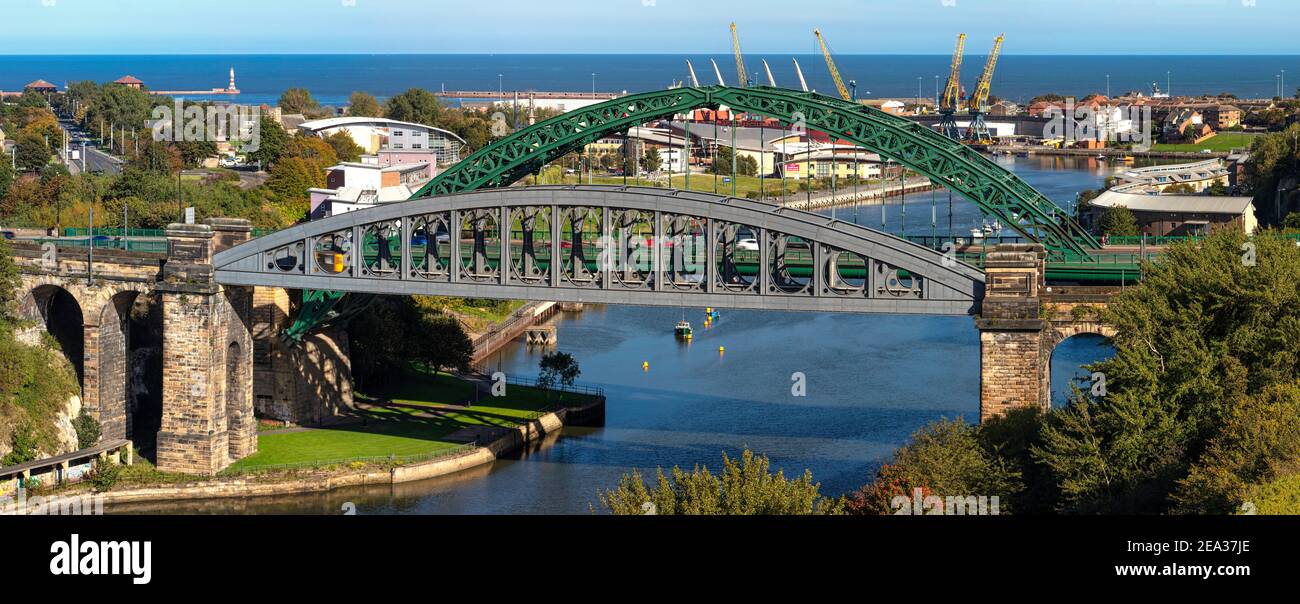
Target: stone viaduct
(220,358)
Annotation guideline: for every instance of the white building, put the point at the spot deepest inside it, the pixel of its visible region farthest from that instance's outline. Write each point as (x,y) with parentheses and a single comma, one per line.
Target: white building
(354,186)
(381,136)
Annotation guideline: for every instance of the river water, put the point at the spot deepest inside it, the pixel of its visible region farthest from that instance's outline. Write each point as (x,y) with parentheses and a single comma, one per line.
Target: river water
(870,382)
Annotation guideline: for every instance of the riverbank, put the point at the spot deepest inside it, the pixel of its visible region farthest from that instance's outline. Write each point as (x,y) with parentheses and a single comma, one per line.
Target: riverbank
(319,480)
(1153,154)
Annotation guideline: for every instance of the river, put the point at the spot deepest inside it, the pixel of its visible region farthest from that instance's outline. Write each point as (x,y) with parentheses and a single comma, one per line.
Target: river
(871,381)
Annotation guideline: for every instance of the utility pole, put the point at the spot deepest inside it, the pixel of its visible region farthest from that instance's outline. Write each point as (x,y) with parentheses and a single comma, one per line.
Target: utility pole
(593,83)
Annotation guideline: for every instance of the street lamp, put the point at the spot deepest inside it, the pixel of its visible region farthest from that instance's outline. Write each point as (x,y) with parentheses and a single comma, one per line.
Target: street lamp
(501,91)
(593,83)
(1108,85)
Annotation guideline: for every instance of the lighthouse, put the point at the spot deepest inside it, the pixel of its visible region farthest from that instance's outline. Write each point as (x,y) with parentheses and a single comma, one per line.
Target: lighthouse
(232,80)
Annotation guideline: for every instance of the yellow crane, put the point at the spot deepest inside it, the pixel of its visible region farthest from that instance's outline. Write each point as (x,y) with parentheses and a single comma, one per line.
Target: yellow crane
(835,73)
(740,58)
(978,132)
(951,98)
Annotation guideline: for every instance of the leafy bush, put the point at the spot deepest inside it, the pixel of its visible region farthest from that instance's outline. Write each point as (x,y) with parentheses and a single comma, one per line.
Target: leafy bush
(87,430)
(745,487)
(945,458)
(104,475)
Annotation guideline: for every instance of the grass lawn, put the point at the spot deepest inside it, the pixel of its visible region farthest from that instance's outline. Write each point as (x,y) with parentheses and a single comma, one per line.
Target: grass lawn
(402,431)
(1220,142)
(480,317)
(376,439)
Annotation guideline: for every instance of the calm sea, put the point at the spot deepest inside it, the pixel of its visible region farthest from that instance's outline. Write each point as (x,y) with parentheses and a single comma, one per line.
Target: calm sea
(331,78)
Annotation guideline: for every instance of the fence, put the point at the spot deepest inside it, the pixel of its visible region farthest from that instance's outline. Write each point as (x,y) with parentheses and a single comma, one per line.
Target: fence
(130,245)
(69,467)
(511,328)
(536,383)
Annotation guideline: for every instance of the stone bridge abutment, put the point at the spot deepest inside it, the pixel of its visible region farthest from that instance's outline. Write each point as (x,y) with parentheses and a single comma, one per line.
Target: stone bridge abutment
(1021,322)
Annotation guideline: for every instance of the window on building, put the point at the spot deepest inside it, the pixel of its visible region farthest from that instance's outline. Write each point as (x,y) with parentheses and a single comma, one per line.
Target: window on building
(823,170)
(417,146)
(397,133)
(397,145)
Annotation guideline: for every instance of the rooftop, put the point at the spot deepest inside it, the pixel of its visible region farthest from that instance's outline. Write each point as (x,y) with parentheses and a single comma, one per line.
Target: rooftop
(374,122)
(1199,204)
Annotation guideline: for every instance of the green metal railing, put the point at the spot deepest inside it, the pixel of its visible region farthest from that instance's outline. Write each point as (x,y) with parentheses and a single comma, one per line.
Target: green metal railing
(132,245)
(113,232)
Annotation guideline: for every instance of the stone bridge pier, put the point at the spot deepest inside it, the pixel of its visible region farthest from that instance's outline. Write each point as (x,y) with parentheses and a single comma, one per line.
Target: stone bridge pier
(207,411)
(95,304)
(1021,322)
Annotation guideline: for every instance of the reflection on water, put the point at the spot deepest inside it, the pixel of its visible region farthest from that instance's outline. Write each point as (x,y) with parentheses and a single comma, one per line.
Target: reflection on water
(872,380)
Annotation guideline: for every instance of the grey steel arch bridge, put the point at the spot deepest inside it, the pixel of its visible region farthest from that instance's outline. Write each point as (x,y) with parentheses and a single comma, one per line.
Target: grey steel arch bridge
(610,244)
(996,191)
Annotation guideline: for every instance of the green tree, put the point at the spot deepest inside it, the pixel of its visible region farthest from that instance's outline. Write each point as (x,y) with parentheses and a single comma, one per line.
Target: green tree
(116,106)
(362,104)
(298,100)
(344,147)
(9,283)
(1210,323)
(651,161)
(558,369)
(945,459)
(7,176)
(1118,221)
(745,165)
(746,486)
(416,105)
(1258,443)
(32,153)
(274,143)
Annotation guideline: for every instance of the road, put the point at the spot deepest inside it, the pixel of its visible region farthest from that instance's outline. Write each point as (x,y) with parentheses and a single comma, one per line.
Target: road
(96,160)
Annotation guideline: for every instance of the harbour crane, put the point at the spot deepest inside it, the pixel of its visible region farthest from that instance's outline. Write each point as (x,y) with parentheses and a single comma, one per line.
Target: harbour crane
(803,84)
(978,132)
(740,58)
(771,81)
(695,82)
(951,98)
(835,73)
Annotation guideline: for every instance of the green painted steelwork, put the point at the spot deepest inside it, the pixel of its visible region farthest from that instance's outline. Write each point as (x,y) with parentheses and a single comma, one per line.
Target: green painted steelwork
(998,192)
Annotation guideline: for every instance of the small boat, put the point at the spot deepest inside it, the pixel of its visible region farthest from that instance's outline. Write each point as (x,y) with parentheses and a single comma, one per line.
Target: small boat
(977,233)
(1127,159)
(683,330)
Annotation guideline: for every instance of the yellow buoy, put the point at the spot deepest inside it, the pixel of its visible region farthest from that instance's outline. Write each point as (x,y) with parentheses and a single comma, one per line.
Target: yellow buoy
(645,366)
(722,349)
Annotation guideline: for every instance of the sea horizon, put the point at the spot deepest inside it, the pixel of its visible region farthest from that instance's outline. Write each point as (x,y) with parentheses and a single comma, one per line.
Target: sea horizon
(332,77)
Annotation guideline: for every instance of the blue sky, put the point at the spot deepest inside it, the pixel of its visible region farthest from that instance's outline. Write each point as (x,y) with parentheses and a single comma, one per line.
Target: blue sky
(643,26)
